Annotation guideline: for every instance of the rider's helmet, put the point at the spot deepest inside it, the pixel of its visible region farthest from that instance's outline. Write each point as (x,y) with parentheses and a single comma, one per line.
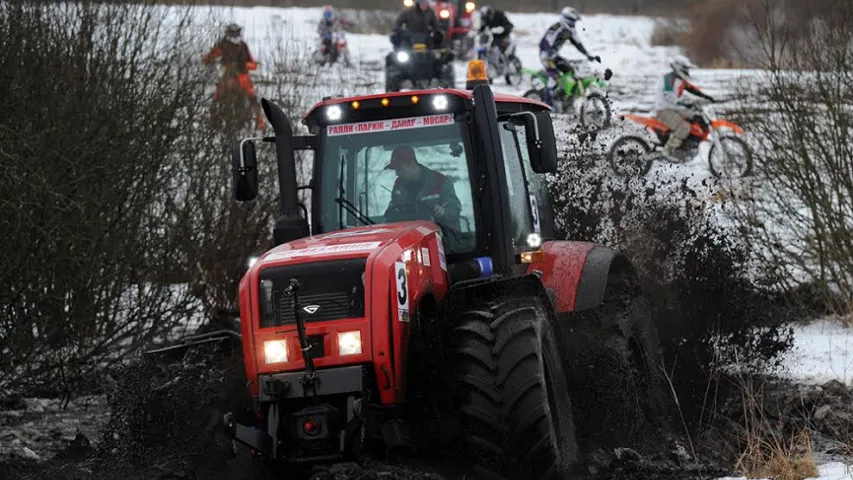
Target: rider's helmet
(681,66)
(328,13)
(568,17)
(422,4)
(486,12)
(232,30)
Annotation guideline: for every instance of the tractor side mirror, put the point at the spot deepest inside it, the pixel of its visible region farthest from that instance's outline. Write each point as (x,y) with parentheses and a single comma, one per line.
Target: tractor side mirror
(244,167)
(541,144)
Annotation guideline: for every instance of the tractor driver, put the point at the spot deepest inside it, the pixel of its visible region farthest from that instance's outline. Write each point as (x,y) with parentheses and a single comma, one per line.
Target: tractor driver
(421,194)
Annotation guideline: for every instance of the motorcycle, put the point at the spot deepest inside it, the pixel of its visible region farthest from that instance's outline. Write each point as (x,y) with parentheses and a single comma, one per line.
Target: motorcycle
(584,83)
(333,46)
(634,155)
(498,63)
(233,110)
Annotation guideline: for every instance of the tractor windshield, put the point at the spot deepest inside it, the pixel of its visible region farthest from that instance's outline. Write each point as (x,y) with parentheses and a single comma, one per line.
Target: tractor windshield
(398,170)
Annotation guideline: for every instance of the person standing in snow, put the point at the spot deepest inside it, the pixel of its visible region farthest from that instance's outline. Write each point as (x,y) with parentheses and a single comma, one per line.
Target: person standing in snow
(329,25)
(414,23)
(498,23)
(668,106)
(236,60)
(553,40)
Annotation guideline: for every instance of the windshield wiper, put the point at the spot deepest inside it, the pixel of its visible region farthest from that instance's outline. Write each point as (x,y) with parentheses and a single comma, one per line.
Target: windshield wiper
(354,211)
(343,203)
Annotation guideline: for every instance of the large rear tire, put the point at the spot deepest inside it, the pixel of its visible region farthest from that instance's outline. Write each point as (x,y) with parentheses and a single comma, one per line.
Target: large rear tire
(515,405)
(628,157)
(614,359)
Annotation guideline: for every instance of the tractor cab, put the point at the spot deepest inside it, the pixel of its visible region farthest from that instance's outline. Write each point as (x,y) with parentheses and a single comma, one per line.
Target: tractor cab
(420,201)
(478,159)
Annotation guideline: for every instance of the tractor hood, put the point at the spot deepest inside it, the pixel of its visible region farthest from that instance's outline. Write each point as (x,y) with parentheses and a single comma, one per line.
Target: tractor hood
(353,242)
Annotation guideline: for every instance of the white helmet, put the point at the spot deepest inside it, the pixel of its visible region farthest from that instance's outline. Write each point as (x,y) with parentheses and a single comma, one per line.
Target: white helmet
(681,65)
(568,17)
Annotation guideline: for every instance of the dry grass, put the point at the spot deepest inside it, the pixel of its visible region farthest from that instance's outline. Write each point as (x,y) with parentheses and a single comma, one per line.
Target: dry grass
(767,452)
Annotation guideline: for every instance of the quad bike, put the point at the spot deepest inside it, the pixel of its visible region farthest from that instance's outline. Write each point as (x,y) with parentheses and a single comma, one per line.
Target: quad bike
(729,154)
(359,332)
(498,64)
(332,47)
(455,19)
(419,64)
(586,84)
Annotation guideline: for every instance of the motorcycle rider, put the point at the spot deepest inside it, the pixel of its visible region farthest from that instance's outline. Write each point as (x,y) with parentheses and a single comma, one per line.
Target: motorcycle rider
(497,21)
(552,42)
(668,108)
(419,19)
(236,61)
(329,24)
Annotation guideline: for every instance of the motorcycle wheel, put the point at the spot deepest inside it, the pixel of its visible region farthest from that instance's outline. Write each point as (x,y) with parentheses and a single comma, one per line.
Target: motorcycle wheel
(722,164)
(628,157)
(595,112)
(514,77)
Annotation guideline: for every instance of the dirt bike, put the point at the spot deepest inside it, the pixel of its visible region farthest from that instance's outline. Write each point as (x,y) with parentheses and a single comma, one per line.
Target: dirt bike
(333,46)
(498,63)
(584,83)
(634,155)
(233,110)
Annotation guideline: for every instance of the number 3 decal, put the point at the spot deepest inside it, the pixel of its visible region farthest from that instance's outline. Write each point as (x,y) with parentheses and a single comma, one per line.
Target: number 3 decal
(402,291)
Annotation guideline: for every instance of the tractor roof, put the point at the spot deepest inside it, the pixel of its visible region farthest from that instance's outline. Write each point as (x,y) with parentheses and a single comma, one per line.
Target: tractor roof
(505,103)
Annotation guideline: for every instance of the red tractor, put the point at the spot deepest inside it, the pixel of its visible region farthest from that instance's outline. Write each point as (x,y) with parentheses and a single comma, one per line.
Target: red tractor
(455,19)
(360,327)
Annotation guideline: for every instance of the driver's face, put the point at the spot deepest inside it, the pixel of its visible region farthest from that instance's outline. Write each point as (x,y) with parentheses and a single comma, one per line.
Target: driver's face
(422,6)
(408,172)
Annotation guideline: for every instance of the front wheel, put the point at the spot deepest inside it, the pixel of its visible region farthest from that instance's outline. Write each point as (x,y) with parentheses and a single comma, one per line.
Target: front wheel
(513,76)
(515,404)
(629,156)
(734,159)
(595,112)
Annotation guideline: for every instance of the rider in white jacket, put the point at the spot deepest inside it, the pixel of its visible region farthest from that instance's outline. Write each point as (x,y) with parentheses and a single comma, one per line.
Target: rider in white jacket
(668,107)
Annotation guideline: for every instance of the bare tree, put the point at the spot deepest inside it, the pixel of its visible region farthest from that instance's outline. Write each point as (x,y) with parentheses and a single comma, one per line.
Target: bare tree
(798,214)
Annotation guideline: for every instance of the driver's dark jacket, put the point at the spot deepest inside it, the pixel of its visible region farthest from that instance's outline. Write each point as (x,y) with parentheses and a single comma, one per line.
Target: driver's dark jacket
(417,21)
(417,200)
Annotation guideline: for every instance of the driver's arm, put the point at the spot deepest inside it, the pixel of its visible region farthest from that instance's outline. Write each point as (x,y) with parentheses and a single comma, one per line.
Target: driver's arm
(452,206)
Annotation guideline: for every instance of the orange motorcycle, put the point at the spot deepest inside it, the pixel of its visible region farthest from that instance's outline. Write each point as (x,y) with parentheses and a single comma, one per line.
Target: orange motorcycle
(729,154)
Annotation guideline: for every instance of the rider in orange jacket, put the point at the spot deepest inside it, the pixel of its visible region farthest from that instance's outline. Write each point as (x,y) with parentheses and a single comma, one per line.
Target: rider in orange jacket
(233,53)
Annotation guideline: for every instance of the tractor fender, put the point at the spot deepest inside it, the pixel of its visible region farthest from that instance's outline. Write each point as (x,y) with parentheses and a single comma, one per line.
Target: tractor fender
(465,294)
(576,272)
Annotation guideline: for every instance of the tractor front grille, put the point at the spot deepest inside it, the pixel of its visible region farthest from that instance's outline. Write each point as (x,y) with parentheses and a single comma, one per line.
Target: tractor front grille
(327,291)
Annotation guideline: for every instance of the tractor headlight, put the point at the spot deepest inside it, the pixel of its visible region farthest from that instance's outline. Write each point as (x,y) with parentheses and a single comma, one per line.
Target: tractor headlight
(349,343)
(334,113)
(252,261)
(275,351)
(408,3)
(439,102)
(534,240)
(402,57)
(470,6)
(444,14)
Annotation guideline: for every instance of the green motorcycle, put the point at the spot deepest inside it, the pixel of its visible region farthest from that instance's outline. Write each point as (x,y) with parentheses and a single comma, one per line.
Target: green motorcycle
(584,83)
